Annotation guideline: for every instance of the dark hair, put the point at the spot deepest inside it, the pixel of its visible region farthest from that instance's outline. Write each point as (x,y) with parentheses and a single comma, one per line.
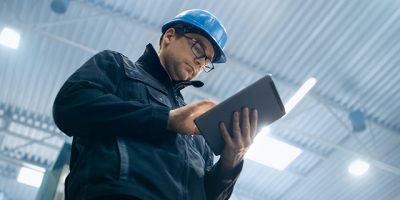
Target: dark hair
(180,28)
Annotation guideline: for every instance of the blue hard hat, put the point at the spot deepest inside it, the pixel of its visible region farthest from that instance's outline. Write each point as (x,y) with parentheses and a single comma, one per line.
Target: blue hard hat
(209,26)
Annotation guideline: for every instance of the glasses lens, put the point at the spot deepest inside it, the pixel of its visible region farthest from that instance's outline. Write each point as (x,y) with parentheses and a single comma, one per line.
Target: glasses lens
(208,68)
(198,50)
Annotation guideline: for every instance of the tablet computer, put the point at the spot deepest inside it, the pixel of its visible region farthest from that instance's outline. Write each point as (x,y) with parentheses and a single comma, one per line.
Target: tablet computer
(261,95)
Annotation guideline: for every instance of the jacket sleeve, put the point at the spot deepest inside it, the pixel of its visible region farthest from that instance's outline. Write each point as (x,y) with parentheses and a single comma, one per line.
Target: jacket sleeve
(86,105)
(219,184)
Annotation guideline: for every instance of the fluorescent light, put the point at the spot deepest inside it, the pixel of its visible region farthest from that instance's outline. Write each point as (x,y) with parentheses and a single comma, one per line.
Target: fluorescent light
(272,152)
(32,177)
(9,38)
(358,167)
(304,89)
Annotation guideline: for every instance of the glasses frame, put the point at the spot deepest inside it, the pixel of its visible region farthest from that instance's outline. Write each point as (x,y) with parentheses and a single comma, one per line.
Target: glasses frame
(206,67)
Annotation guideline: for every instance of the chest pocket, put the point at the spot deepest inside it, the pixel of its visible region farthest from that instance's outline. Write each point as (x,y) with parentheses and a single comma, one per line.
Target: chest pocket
(133,90)
(157,97)
(145,88)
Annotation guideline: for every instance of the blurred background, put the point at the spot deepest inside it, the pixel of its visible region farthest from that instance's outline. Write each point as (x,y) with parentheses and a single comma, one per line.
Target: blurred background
(340,141)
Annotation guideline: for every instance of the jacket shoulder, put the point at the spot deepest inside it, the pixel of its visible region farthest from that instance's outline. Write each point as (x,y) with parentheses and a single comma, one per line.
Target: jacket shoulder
(108,52)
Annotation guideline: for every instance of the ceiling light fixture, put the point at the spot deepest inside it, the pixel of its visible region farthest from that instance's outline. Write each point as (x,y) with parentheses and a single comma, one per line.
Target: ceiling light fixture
(358,167)
(304,89)
(9,38)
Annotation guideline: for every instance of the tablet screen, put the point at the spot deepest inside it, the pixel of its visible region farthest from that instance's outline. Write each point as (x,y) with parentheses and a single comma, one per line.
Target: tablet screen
(261,95)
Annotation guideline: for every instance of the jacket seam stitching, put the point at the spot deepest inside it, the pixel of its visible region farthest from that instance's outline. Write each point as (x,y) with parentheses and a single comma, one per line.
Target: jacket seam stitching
(124,159)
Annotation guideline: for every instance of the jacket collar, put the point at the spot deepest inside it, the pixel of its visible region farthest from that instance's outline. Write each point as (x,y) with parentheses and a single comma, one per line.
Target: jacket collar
(150,62)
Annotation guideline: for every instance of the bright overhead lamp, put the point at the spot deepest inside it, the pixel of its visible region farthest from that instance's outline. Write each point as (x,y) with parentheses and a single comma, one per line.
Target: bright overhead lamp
(9,38)
(272,152)
(304,89)
(358,167)
(31,176)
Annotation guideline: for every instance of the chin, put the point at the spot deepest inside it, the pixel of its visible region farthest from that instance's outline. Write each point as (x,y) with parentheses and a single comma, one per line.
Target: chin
(184,77)
(178,78)
(188,78)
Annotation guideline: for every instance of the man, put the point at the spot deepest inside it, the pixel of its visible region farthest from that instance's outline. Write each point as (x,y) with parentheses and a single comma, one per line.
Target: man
(133,135)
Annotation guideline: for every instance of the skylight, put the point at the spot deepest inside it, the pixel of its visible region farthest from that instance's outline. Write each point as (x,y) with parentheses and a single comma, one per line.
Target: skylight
(30,176)
(272,152)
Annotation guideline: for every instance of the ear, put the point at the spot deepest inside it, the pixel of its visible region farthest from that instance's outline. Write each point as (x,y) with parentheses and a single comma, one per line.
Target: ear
(169,36)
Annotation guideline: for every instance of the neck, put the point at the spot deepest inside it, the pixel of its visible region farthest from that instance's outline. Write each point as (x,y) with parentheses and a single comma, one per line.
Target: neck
(163,64)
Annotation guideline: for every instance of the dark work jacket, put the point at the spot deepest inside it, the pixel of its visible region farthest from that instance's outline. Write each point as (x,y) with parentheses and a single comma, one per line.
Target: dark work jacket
(117,112)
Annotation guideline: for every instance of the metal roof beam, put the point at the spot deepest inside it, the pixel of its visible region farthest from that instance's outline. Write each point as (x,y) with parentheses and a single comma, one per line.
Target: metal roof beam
(377,163)
(69,21)
(31,140)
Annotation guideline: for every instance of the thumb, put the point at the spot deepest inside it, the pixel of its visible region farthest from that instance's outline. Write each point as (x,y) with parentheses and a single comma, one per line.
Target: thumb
(196,130)
(205,105)
(201,107)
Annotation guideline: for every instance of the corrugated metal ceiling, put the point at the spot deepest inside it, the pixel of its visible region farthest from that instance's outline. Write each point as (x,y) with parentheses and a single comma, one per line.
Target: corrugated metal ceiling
(351,47)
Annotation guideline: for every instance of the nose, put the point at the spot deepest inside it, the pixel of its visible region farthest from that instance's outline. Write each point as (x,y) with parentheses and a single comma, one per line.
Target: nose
(200,62)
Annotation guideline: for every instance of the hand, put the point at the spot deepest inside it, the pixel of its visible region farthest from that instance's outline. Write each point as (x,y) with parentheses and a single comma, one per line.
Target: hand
(237,145)
(181,120)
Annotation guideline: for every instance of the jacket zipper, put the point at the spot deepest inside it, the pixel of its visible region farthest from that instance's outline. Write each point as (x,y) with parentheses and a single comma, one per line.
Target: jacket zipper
(186,169)
(184,193)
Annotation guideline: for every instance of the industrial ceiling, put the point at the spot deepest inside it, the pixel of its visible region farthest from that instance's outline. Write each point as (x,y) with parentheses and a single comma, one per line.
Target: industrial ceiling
(351,47)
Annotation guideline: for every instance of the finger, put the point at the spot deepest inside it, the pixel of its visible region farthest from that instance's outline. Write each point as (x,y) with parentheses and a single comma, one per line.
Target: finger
(225,133)
(236,125)
(253,124)
(245,123)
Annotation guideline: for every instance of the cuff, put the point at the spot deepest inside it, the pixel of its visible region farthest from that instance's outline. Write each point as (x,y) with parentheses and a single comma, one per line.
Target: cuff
(159,121)
(230,175)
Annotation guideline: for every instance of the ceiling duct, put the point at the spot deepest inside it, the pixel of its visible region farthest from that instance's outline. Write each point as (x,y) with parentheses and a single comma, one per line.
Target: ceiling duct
(59,6)
(357,120)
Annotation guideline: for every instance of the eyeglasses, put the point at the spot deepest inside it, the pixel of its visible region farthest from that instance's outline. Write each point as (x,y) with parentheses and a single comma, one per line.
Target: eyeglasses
(200,54)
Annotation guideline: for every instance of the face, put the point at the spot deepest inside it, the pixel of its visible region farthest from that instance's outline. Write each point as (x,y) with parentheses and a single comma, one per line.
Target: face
(180,54)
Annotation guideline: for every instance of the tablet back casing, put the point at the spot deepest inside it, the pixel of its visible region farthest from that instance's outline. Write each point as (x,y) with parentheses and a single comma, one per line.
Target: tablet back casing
(261,95)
